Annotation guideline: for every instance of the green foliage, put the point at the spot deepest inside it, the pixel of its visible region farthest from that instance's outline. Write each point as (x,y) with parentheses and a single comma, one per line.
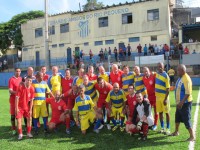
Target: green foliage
(11,30)
(92,4)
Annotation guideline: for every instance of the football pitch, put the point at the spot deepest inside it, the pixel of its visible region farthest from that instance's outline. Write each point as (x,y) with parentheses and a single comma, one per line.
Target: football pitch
(104,140)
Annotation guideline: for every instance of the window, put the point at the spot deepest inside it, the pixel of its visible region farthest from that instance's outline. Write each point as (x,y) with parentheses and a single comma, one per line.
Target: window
(152,14)
(96,43)
(103,22)
(127,18)
(134,39)
(51,30)
(61,45)
(86,44)
(109,42)
(154,38)
(25,49)
(38,32)
(64,28)
(54,45)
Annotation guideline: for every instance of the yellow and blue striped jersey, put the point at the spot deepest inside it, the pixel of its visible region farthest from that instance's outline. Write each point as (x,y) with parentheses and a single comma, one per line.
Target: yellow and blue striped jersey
(139,84)
(162,83)
(77,81)
(54,83)
(126,80)
(105,76)
(117,99)
(183,87)
(83,106)
(41,88)
(91,91)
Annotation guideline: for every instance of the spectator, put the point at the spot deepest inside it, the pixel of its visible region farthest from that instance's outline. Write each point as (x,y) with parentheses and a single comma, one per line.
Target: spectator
(190,40)
(194,52)
(124,53)
(186,50)
(171,74)
(129,51)
(166,50)
(151,49)
(81,54)
(156,49)
(172,50)
(119,64)
(91,54)
(116,55)
(145,50)
(180,49)
(139,48)
(109,51)
(105,54)
(120,53)
(101,55)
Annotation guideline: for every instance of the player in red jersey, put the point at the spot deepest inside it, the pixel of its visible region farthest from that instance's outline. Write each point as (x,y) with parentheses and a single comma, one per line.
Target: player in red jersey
(91,76)
(149,82)
(66,84)
(12,86)
(71,96)
(103,88)
(43,70)
(116,75)
(59,112)
(131,102)
(23,106)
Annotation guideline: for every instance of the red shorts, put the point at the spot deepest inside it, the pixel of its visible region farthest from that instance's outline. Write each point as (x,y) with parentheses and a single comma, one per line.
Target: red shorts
(152,100)
(12,105)
(23,113)
(101,104)
(70,104)
(56,121)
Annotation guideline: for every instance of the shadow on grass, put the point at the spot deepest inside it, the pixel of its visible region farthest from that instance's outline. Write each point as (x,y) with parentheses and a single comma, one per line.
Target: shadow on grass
(104,140)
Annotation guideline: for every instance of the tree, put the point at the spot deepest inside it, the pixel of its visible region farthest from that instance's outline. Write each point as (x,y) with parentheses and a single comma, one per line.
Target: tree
(11,31)
(92,4)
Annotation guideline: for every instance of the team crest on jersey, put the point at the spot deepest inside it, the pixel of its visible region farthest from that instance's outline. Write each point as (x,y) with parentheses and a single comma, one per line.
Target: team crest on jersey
(105,92)
(59,108)
(70,84)
(150,82)
(134,103)
(29,95)
(118,78)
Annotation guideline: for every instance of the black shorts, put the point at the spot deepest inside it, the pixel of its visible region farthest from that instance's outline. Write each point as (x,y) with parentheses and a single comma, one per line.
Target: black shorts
(129,53)
(125,53)
(171,78)
(184,115)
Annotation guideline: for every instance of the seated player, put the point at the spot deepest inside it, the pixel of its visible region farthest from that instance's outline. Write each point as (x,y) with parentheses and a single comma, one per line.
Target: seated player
(142,117)
(23,106)
(84,108)
(116,101)
(131,102)
(60,113)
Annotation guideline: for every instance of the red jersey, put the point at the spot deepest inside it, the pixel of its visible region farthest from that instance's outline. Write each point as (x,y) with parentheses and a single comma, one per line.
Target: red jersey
(92,78)
(116,78)
(46,77)
(66,84)
(150,84)
(25,95)
(71,99)
(57,108)
(131,102)
(103,91)
(13,84)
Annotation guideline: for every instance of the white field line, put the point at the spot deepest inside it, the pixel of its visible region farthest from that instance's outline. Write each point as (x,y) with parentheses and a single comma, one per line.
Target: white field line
(192,143)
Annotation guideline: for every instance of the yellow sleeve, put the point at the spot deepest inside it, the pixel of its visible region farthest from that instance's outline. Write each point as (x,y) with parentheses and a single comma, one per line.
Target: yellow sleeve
(124,96)
(108,98)
(75,106)
(47,88)
(91,103)
(167,82)
(187,85)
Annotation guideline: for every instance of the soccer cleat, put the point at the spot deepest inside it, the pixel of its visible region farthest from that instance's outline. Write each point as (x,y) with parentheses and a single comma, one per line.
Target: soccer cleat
(108,126)
(101,127)
(144,138)
(154,127)
(14,132)
(68,131)
(96,130)
(72,123)
(46,131)
(29,135)
(114,128)
(122,129)
(167,132)
(162,131)
(20,137)
(36,132)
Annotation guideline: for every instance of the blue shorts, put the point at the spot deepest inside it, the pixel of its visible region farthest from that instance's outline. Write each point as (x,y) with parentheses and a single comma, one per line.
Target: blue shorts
(184,115)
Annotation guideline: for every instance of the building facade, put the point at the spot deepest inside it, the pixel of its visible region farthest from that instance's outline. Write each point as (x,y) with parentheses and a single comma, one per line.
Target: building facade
(133,23)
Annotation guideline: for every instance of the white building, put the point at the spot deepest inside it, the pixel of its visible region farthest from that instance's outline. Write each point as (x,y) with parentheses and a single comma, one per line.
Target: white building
(141,22)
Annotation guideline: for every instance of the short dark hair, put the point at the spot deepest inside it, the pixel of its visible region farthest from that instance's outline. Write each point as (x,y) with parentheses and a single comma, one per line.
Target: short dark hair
(17,68)
(99,79)
(130,85)
(138,92)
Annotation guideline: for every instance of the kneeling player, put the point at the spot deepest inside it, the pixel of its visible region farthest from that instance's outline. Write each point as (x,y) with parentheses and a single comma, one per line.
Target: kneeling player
(60,113)
(84,108)
(142,117)
(23,106)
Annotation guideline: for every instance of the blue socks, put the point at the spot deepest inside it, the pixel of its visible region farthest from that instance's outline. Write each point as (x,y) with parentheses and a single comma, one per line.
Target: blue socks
(45,119)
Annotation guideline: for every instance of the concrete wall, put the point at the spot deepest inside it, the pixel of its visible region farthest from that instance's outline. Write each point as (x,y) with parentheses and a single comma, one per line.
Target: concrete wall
(140,27)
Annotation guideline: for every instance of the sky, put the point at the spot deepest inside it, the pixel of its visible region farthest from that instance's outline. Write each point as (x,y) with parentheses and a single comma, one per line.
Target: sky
(10,8)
